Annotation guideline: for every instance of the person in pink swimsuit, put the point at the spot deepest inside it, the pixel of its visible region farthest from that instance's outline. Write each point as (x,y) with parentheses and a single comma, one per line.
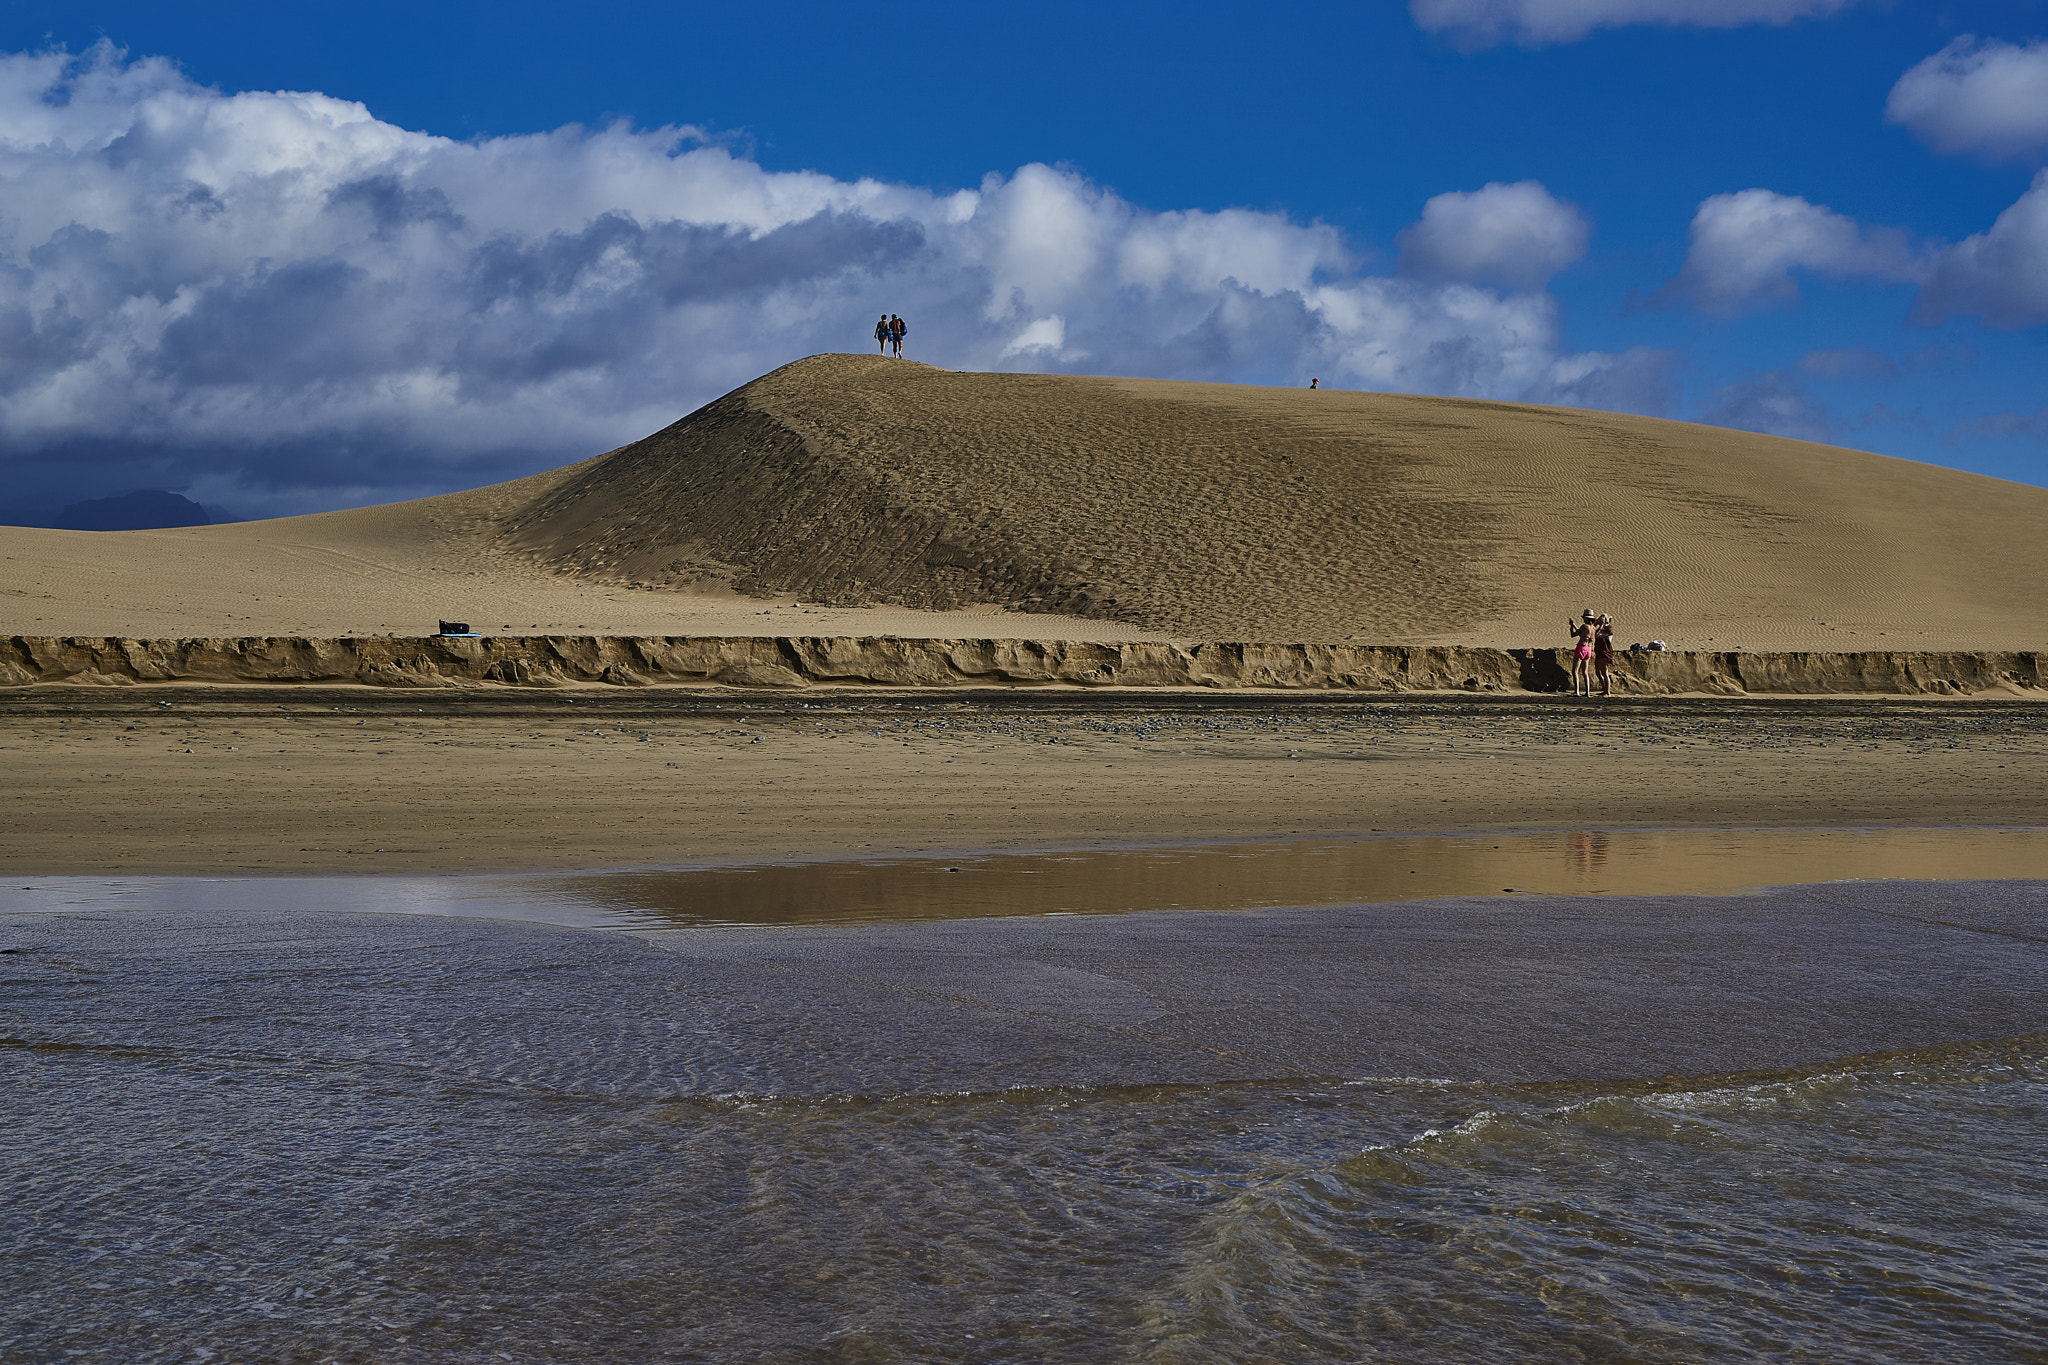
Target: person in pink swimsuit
(1581,632)
(1603,653)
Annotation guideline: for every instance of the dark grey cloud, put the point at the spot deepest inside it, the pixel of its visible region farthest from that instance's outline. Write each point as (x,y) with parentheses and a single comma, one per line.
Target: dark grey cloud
(1771,402)
(389,202)
(530,310)
(2030,425)
(1642,380)
(1861,362)
(283,327)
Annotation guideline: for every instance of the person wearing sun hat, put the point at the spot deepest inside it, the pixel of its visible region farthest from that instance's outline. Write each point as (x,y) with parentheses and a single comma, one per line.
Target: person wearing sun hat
(1582,632)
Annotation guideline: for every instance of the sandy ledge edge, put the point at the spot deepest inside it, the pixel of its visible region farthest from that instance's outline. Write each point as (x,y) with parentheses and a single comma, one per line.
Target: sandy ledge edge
(791,662)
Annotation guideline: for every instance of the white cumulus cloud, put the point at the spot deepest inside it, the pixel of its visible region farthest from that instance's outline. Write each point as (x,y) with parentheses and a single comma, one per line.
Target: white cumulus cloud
(277,301)
(1042,334)
(1989,98)
(1534,23)
(1745,247)
(1515,235)
(2000,274)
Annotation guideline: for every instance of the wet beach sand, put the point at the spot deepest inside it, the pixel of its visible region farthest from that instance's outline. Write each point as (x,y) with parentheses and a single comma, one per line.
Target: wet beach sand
(247,779)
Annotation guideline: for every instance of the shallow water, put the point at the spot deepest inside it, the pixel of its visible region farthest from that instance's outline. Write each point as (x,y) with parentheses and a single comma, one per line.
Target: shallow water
(285,1136)
(377,1217)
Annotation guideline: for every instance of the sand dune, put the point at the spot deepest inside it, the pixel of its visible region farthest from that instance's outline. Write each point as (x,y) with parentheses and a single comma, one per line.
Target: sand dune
(895,498)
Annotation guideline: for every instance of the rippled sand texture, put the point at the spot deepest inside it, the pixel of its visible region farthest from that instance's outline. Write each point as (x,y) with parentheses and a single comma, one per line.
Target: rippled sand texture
(1231,512)
(916,501)
(1684,1130)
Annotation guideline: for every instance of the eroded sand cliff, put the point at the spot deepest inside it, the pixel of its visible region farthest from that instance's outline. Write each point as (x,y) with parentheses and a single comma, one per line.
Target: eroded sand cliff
(799,662)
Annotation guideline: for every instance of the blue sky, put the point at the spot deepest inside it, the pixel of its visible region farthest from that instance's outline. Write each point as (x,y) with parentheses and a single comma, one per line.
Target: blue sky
(1814,217)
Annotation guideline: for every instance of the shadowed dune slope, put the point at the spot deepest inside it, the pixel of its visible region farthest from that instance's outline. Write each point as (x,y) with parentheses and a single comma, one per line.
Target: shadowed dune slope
(913,500)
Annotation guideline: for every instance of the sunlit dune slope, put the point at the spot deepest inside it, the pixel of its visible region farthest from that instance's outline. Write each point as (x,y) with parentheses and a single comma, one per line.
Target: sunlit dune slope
(889,489)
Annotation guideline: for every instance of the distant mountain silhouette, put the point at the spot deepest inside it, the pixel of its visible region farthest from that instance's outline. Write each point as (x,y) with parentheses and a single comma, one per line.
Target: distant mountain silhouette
(146,509)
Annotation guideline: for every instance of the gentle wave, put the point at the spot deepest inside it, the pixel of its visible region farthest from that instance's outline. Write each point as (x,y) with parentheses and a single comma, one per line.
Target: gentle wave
(1828,1214)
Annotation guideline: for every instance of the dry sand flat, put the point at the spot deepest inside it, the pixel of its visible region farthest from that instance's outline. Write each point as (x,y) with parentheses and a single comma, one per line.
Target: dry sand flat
(920,502)
(396,571)
(222,780)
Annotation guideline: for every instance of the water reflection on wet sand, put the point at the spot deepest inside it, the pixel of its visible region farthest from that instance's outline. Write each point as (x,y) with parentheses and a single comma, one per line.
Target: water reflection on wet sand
(1304,873)
(1108,881)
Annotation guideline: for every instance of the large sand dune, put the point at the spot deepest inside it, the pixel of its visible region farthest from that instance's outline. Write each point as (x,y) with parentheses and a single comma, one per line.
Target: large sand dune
(891,497)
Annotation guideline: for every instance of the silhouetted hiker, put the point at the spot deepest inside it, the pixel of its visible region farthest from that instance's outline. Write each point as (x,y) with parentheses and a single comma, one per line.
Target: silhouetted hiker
(882,335)
(1313,382)
(896,331)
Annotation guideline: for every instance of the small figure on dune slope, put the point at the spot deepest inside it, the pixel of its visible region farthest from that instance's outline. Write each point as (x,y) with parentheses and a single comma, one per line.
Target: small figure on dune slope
(896,331)
(1582,631)
(1314,382)
(882,335)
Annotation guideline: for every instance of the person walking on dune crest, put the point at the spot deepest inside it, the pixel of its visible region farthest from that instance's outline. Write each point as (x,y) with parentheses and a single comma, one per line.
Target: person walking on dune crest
(882,335)
(896,331)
